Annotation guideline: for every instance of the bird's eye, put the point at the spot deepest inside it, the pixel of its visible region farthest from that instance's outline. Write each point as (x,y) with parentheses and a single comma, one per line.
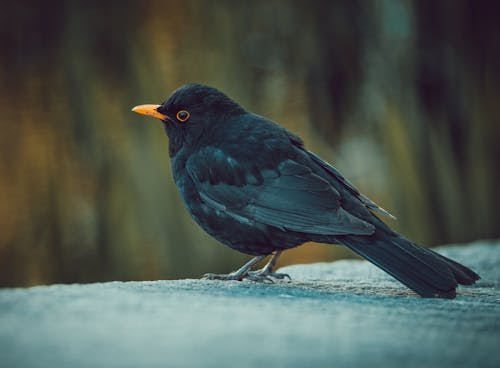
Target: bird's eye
(182,116)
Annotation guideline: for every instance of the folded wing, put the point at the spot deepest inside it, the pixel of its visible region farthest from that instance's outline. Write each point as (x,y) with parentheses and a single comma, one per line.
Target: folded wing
(288,196)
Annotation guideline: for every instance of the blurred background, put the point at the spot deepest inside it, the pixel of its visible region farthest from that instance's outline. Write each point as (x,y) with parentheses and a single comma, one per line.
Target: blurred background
(402,96)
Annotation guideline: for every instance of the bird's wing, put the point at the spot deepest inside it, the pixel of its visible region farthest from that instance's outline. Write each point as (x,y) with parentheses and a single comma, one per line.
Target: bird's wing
(338,176)
(288,196)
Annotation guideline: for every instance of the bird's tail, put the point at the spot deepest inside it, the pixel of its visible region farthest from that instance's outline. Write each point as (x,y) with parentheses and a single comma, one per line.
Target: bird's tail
(422,270)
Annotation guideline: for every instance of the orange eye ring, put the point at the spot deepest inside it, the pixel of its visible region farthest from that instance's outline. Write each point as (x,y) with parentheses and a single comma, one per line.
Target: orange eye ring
(183,116)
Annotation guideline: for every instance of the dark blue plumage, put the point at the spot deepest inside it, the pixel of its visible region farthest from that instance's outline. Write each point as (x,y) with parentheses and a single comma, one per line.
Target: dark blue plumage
(253,185)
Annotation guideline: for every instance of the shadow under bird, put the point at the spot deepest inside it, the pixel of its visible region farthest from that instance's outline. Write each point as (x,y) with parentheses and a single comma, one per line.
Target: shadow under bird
(252,185)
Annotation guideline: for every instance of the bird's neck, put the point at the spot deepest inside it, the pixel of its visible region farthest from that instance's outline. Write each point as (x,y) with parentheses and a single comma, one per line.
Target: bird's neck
(175,141)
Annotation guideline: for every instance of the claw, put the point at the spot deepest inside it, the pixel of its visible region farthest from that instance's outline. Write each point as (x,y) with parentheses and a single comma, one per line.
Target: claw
(256,277)
(269,275)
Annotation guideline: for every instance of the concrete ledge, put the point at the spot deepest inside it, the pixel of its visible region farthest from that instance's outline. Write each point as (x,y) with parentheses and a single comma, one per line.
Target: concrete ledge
(341,314)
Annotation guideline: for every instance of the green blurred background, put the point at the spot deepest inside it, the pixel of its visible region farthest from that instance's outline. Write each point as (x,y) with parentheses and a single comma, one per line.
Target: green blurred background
(402,96)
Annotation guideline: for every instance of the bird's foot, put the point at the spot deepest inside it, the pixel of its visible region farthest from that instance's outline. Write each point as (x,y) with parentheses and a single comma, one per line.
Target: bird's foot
(264,275)
(225,277)
(236,275)
(256,276)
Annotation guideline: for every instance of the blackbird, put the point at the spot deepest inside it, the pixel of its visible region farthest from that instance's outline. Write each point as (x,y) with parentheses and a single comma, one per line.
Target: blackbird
(253,186)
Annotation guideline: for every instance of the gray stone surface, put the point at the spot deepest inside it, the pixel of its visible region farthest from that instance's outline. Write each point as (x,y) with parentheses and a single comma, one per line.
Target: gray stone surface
(342,314)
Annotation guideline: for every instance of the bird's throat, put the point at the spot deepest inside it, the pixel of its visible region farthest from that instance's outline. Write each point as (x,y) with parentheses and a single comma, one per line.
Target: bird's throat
(175,140)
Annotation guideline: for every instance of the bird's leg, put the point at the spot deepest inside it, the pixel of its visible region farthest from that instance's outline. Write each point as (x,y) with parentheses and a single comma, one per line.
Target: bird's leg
(238,275)
(266,273)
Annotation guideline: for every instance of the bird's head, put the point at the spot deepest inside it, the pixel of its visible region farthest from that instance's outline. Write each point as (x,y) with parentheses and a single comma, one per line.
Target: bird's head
(190,112)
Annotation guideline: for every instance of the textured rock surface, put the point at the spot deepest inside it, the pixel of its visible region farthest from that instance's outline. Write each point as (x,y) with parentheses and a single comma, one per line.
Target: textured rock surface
(342,314)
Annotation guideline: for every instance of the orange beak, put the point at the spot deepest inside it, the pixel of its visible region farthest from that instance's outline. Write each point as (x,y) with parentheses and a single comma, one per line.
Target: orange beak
(149,110)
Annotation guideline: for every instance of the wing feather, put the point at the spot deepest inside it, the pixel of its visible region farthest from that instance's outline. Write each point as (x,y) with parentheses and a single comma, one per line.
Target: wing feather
(289,197)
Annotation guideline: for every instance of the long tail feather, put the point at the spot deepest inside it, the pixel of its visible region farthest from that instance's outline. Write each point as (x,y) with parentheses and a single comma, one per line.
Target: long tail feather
(426,272)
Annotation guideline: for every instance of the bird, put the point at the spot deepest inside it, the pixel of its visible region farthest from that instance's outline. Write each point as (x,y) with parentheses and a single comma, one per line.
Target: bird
(254,186)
